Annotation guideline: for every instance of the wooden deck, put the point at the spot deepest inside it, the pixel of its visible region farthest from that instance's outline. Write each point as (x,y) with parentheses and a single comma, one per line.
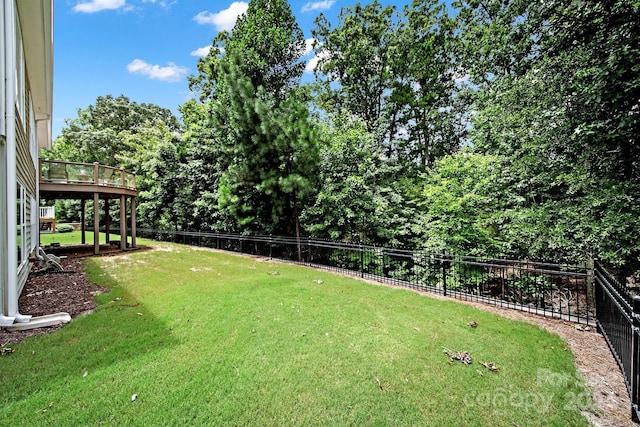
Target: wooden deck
(68,180)
(60,180)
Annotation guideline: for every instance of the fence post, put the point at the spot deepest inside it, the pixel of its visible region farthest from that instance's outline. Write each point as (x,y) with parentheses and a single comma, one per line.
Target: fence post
(309,250)
(635,358)
(444,272)
(590,283)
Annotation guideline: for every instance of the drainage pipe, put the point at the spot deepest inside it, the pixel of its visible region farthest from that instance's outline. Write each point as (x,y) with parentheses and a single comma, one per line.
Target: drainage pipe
(11,275)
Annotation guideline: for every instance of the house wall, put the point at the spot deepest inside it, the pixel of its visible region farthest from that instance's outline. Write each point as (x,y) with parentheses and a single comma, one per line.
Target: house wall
(4,253)
(25,45)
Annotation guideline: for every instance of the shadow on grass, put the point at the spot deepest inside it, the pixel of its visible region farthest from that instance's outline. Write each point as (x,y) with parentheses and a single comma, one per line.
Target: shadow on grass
(120,329)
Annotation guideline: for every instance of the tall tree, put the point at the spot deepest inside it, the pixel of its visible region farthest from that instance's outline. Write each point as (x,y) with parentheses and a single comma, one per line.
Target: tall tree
(271,44)
(356,59)
(96,134)
(558,94)
(424,101)
(274,157)
(498,38)
(396,72)
(259,119)
(361,195)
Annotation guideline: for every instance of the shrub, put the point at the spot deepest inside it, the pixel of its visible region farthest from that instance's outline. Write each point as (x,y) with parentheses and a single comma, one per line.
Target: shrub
(64,228)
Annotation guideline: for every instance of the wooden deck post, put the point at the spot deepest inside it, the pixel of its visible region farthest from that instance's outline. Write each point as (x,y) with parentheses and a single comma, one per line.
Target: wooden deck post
(82,221)
(107,220)
(96,172)
(133,222)
(123,223)
(96,223)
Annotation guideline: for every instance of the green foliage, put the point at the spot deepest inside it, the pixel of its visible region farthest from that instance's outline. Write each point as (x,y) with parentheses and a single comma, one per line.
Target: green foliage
(461,203)
(96,135)
(259,119)
(362,194)
(357,54)
(558,90)
(274,156)
(397,73)
(532,287)
(271,44)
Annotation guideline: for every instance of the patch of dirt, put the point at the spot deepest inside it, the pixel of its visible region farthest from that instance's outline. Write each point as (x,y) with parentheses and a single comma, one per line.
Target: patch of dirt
(52,293)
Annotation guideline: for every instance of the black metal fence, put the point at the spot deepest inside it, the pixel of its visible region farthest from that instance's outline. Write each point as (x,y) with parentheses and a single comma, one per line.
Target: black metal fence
(562,291)
(618,318)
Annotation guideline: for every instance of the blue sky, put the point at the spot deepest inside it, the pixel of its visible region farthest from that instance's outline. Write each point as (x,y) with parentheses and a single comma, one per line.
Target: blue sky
(145,49)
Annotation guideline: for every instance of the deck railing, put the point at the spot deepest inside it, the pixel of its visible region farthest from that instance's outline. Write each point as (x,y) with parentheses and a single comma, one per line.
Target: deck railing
(61,172)
(47,211)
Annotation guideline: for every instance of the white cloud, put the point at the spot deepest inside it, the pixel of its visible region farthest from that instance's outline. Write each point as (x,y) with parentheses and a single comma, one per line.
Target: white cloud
(311,65)
(172,73)
(98,5)
(308,46)
(313,62)
(317,5)
(202,51)
(225,19)
(166,4)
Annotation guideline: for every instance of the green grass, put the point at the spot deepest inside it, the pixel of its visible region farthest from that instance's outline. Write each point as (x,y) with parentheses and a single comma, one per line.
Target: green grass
(207,338)
(72,238)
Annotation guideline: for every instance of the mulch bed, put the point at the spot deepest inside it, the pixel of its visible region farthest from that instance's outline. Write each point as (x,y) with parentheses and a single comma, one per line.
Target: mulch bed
(48,293)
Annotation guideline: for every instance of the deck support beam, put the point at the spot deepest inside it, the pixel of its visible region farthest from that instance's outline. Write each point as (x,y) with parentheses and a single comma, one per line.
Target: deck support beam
(83,215)
(96,223)
(123,222)
(107,220)
(133,222)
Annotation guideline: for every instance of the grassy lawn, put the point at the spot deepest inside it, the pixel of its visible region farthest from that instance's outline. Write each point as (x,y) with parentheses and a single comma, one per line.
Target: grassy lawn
(207,338)
(72,238)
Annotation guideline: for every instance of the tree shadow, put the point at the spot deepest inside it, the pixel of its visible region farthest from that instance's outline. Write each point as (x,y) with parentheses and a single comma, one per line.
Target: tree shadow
(119,329)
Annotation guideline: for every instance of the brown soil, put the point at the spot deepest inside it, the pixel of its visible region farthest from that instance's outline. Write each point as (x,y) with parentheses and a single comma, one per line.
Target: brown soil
(69,292)
(74,293)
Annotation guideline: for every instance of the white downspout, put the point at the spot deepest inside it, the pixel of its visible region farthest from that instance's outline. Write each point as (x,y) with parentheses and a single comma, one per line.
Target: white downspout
(4,82)
(11,183)
(4,266)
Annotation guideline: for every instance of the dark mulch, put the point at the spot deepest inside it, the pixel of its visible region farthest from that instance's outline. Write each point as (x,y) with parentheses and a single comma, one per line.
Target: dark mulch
(69,292)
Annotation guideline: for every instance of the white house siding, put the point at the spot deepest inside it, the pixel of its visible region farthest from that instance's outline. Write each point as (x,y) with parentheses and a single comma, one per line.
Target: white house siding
(26,177)
(25,77)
